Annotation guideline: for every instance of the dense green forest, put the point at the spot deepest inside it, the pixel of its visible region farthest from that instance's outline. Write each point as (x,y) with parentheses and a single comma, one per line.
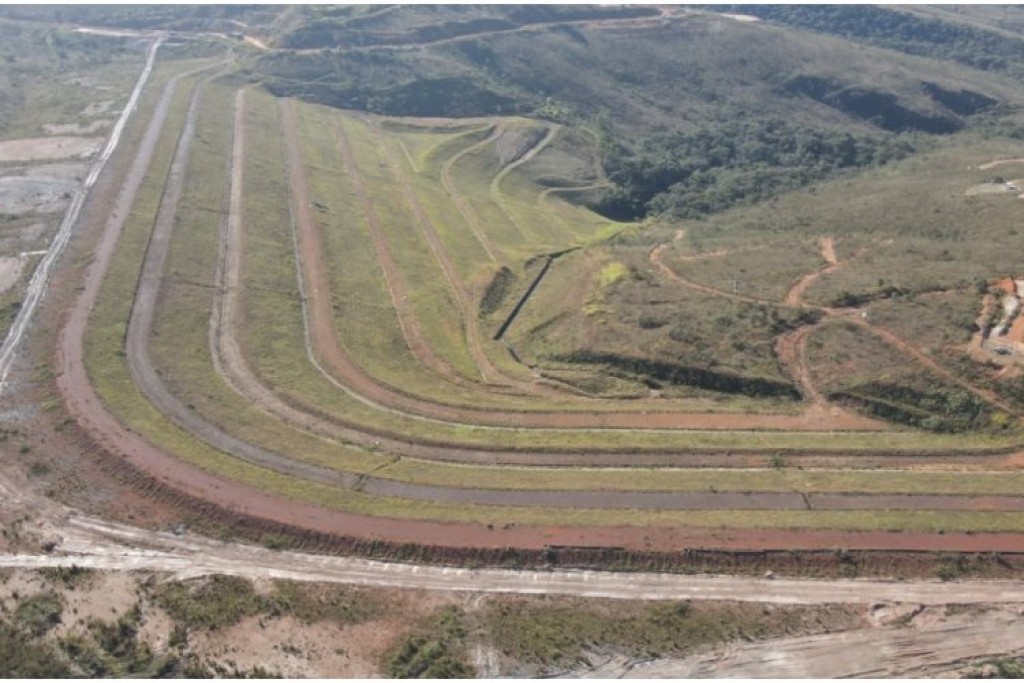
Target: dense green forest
(670,85)
(898,30)
(334,28)
(743,160)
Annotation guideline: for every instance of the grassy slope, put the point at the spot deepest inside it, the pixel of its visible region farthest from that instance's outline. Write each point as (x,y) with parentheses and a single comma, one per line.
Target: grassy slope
(141,417)
(517,187)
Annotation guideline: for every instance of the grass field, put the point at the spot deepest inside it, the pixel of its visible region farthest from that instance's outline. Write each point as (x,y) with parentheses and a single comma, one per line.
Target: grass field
(56,76)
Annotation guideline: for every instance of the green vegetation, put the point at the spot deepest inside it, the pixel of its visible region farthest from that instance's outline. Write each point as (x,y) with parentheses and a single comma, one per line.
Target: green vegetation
(347,26)
(39,613)
(21,656)
(341,605)
(68,577)
(740,161)
(899,30)
(215,603)
(102,649)
(560,632)
(435,649)
(998,667)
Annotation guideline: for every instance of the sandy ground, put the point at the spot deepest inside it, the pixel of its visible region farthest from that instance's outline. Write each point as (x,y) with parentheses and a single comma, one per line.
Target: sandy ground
(933,643)
(895,639)
(76,128)
(1000,162)
(98,109)
(11,268)
(57,147)
(38,193)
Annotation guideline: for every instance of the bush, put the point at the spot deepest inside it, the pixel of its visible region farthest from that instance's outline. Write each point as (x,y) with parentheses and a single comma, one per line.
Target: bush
(436,650)
(220,601)
(40,613)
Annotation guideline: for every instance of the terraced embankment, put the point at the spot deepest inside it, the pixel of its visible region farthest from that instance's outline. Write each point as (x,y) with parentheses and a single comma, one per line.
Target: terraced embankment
(251,424)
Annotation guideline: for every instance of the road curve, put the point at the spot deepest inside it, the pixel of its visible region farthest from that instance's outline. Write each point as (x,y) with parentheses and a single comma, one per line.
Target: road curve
(155,390)
(85,405)
(41,276)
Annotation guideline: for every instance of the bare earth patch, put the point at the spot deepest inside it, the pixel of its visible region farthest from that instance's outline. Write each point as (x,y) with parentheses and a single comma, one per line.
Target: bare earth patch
(58,147)
(76,128)
(99,109)
(10,270)
(42,194)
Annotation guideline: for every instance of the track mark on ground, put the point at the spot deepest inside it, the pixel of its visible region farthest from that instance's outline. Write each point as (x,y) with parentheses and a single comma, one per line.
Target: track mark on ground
(471,329)
(318,289)
(495,185)
(795,295)
(464,207)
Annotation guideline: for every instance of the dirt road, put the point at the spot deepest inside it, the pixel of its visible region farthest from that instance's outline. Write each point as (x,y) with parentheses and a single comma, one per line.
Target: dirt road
(794,298)
(317,288)
(41,276)
(1000,162)
(534,150)
(89,542)
(795,295)
(789,349)
(665,14)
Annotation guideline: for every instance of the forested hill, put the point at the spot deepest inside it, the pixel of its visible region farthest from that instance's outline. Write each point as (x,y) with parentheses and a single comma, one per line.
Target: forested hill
(696,107)
(899,30)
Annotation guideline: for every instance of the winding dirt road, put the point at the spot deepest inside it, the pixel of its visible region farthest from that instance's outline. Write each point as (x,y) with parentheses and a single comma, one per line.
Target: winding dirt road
(85,405)
(495,184)
(851,315)
(491,376)
(315,274)
(153,388)
(795,295)
(464,207)
(41,276)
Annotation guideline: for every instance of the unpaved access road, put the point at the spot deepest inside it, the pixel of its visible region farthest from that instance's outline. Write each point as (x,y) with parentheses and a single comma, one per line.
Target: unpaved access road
(940,644)
(656,258)
(933,642)
(491,376)
(41,276)
(795,295)
(89,542)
